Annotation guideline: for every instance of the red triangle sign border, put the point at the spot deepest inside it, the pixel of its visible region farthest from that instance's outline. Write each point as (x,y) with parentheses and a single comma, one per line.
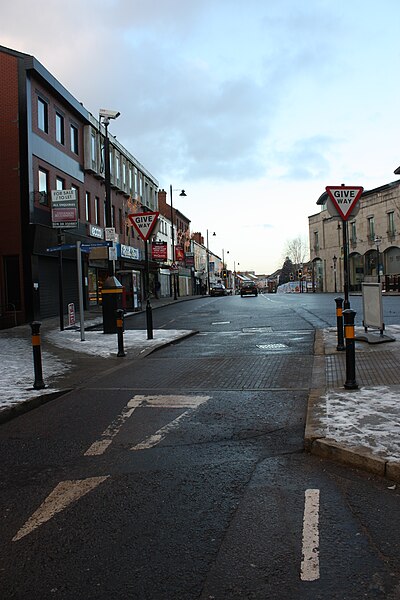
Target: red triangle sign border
(144,235)
(350,194)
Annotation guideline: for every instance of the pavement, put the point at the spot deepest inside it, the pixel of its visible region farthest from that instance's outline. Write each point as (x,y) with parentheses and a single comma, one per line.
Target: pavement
(358,427)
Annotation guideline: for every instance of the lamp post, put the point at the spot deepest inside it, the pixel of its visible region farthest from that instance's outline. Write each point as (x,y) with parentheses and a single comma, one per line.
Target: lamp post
(173,235)
(377,244)
(105,116)
(334,271)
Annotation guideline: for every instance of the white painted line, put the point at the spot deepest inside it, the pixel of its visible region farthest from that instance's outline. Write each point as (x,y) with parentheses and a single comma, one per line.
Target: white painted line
(159,435)
(220,323)
(310,560)
(63,494)
(149,401)
(101,445)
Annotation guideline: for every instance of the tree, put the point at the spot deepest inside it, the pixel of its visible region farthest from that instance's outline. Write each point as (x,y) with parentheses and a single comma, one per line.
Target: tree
(286,271)
(296,250)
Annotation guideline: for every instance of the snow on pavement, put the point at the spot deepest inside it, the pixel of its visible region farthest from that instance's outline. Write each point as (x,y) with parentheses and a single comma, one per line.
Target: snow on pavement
(368,418)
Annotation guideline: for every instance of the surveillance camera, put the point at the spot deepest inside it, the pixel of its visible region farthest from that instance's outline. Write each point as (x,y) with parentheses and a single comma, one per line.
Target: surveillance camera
(108,114)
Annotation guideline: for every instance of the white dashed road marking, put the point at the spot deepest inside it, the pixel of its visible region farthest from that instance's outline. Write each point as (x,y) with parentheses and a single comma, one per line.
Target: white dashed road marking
(310,561)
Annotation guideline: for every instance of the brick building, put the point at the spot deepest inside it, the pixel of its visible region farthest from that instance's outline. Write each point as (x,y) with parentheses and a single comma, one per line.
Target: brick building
(48,142)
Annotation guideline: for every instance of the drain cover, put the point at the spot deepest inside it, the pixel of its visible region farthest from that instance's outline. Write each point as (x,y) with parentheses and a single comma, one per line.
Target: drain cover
(271,346)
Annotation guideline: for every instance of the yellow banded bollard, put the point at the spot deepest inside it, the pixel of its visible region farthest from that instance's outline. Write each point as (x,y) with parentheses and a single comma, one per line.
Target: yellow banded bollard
(120,332)
(339,324)
(350,383)
(37,356)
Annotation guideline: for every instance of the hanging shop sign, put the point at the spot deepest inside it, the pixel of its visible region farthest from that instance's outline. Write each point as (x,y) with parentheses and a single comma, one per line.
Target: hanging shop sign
(179,253)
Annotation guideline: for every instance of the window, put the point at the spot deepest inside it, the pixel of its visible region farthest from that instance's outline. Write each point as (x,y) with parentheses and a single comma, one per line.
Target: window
(124,167)
(43,115)
(120,220)
(59,183)
(93,147)
(371,228)
(316,241)
(391,229)
(74,139)
(117,167)
(97,210)
(43,186)
(353,232)
(76,190)
(111,162)
(130,178)
(87,207)
(59,128)
(113,216)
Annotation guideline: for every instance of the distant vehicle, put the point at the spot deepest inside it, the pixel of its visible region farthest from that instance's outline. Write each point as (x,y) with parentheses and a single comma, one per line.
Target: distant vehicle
(218,289)
(248,289)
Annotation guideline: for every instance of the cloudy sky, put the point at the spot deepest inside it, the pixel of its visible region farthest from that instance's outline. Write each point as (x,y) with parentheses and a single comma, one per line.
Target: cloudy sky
(252,107)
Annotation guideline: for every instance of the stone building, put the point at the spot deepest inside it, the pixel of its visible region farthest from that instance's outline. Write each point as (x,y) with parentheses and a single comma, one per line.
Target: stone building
(373,233)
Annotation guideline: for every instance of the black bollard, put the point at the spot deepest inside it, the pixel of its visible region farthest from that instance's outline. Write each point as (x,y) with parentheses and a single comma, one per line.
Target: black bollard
(120,332)
(149,319)
(37,356)
(339,323)
(350,383)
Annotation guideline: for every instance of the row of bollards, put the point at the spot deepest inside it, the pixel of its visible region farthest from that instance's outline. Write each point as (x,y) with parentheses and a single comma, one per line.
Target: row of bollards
(345,331)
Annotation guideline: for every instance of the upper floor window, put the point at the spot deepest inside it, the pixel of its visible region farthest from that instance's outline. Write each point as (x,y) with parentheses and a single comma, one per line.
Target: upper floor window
(371,228)
(93,147)
(74,139)
(316,241)
(97,211)
(117,167)
(59,183)
(43,115)
(43,186)
(353,232)
(87,207)
(391,230)
(59,128)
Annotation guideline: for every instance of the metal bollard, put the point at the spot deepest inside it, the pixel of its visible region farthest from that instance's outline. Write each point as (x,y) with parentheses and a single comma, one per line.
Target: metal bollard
(37,356)
(149,319)
(350,383)
(120,332)
(339,324)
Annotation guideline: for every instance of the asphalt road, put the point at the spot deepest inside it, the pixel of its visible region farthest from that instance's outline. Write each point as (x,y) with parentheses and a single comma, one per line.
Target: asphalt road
(182,475)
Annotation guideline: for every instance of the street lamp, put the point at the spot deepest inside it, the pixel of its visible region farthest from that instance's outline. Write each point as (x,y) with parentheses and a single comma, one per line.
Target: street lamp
(378,241)
(104,117)
(334,270)
(183,193)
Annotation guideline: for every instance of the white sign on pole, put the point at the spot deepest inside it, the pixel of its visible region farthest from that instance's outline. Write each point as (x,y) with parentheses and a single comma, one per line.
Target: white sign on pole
(344,198)
(144,223)
(109,234)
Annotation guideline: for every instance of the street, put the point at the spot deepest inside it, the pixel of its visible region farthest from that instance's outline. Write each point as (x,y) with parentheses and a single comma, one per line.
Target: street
(183,476)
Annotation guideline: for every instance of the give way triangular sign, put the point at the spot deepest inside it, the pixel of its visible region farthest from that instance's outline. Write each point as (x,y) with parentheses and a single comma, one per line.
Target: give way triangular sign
(144,223)
(344,198)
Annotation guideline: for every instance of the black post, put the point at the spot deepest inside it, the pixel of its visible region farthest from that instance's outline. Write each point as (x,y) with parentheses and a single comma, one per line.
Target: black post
(339,322)
(120,332)
(107,183)
(350,383)
(346,273)
(147,273)
(37,356)
(173,240)
(60,281)
(149,320)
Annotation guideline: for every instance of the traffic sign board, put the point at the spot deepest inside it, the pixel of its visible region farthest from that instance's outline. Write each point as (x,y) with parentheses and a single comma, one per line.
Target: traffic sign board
(144,223)
(344,198)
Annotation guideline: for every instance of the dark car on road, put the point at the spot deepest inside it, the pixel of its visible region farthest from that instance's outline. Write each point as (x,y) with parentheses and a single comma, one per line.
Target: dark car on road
(218,289)
(248,289)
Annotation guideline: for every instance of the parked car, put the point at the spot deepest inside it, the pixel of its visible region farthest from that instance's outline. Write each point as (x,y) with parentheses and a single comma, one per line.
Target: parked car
(248,289)
(218,289)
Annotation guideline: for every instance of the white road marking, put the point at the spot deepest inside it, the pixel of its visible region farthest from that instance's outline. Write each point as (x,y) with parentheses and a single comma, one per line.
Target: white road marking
(220,323)
(159,435)
(310,560)
(101,445)
(150,401)
(63,494)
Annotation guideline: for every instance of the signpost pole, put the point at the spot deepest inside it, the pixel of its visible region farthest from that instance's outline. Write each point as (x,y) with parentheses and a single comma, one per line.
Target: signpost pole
(346,266)
(60,282)
(80,289)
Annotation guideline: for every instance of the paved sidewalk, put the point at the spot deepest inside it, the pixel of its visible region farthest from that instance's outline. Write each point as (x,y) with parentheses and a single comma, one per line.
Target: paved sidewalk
(359,427)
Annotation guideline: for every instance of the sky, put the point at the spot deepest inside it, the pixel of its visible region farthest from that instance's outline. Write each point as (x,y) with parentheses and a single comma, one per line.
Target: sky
(252,107)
